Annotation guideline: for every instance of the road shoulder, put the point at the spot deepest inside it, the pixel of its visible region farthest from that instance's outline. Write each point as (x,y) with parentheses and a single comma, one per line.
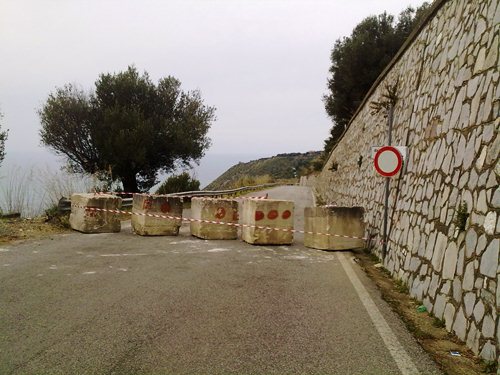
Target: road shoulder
(427,330)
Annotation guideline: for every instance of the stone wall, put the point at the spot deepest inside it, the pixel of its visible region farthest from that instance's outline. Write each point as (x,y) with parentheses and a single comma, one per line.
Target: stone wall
(447,114)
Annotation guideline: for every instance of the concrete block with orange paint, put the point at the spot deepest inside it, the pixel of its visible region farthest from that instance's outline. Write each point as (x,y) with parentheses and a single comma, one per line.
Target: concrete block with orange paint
(268,213)
(86,220)
(163,205)
(334,228)
(208,212)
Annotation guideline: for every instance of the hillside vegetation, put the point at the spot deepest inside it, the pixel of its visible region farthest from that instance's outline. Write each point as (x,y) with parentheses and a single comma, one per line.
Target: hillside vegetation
(274,169)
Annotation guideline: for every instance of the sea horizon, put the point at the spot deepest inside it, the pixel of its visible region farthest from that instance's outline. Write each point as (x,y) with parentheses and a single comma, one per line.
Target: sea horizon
(31,180)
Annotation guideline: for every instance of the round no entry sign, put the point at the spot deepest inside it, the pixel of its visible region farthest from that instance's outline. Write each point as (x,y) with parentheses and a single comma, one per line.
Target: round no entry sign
(388,161)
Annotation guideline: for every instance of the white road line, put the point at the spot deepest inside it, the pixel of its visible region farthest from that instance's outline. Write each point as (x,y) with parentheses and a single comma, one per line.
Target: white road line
(217,250)
(402,359)
(122,255)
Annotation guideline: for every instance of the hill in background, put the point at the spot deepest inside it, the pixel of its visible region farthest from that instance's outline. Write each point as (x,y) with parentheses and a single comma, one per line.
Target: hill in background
(279,167)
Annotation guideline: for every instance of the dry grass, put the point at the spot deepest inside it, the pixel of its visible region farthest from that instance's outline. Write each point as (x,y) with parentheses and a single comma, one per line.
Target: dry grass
(30,191)
(13,230)
(429,331)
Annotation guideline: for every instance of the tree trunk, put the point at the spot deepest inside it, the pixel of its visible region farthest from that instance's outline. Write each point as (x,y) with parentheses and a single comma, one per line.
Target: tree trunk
(130,184)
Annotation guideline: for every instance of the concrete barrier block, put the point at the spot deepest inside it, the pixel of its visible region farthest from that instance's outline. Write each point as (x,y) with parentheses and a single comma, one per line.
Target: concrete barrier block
(223,210)
(87,221)
(344,221)
(267,213)
(156,205)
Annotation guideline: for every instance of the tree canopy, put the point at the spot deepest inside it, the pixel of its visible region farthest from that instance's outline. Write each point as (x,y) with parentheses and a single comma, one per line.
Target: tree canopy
(128,129)
(359,59)
(3,138)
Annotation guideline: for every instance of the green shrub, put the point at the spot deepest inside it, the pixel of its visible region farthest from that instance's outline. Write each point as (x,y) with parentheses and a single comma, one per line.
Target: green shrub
(489,367)
(401,287)
(462,216)
(178,183)
(55,217)
(252,180)
(438,323)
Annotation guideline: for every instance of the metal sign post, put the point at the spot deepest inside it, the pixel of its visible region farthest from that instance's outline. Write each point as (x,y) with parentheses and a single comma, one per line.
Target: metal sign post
(386,201)
(388,162)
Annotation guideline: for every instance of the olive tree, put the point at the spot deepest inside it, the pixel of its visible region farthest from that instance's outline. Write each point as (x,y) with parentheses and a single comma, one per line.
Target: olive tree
(127,128)
(357,61)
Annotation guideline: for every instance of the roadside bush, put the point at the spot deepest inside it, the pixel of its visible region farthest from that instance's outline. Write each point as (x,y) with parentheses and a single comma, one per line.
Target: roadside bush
(251,181)
(32,190)
(179,183)
(53,216)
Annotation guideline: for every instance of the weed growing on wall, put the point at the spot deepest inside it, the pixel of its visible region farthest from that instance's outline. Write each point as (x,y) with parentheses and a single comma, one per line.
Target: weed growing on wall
(462,216)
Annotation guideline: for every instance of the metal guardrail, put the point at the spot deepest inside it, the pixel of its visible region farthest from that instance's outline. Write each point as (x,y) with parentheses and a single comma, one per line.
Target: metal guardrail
(215,193)
(64,204)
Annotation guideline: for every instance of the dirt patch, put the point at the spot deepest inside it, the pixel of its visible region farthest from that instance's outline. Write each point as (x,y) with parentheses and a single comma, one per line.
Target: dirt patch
(427,330)
(19,229)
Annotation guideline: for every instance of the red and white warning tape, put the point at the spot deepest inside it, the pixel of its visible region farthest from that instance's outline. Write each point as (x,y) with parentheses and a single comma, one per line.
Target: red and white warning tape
(187,219)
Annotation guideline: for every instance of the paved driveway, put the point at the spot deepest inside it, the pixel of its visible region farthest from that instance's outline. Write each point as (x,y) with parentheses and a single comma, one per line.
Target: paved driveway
(125,304)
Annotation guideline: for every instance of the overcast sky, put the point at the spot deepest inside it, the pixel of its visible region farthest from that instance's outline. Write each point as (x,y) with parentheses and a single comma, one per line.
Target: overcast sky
(262,63)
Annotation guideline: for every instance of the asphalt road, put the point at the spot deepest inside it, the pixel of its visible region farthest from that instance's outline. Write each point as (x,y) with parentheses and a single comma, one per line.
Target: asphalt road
(125,304)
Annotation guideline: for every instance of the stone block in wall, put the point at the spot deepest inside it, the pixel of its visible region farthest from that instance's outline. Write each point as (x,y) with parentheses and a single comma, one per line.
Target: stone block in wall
(488,352)
(439,306)
(469,276)
(207,212)
(488,326)
(258,215)
(460,325)
(490,222)
(457,289)
(438,251)
(449,314)
(86,220)
(473,337)
(469,302)
(489,259)
(495,200)
(145,205)
(334,228)
(450,261)
(478,311)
